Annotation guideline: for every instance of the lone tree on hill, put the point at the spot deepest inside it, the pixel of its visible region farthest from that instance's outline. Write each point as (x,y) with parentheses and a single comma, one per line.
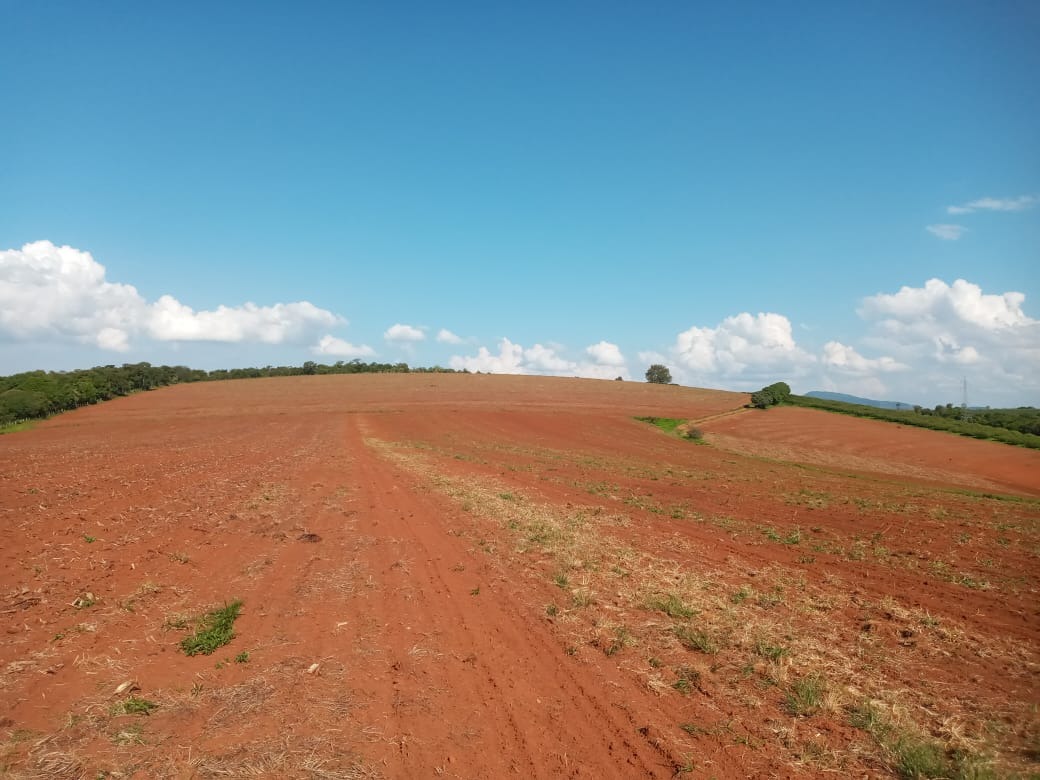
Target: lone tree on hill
(776,393)
(659,375)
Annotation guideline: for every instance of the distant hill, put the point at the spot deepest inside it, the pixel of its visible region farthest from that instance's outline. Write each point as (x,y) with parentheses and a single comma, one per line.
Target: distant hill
(852,399)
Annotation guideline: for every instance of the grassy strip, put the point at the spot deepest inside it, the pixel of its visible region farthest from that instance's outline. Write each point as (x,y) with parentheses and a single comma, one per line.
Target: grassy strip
(932,422)
(671,425)
(214,630)
(666,424)
(22,425)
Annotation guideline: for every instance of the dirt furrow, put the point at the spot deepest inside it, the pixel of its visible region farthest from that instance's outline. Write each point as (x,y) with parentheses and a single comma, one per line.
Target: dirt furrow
(470,670)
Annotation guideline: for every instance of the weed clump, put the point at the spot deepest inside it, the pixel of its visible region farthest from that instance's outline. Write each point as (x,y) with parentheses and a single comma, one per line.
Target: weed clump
(687,679)
(214,630)
(806,695)
(914,757)
(694,639)
(671,605)
(138,706)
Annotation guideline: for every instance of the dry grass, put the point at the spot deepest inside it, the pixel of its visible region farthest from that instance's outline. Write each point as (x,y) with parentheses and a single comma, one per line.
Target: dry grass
(315,758)
(766,641)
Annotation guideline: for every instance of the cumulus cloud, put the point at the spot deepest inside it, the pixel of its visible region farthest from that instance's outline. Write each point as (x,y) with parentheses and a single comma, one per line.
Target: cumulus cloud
(947,232)
(744,348)
(542,359)
(1021,203)
(950,331)
(113,339)
(961,303)
(171,320)
(49,292)
(404,334)
(335,347)
(59,292)
(846,359)
(509,360)
(606,354)
(545,359)
(445,336)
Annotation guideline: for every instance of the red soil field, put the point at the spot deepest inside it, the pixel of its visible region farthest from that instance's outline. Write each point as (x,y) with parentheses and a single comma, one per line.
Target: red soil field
(486,576)
(808,435)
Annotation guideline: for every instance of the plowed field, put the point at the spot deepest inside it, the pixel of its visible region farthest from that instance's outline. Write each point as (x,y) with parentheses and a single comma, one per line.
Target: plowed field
(485,577)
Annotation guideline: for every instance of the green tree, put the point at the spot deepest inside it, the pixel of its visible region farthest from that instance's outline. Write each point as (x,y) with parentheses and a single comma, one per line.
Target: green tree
(659,375)
(776,393)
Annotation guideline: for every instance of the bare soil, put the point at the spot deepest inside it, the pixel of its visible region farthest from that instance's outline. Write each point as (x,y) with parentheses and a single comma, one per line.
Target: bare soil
(484,577)
(806,435)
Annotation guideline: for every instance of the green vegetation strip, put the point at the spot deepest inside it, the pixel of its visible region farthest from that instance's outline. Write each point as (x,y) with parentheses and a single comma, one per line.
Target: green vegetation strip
(671,425)
(938,421)
(214,630)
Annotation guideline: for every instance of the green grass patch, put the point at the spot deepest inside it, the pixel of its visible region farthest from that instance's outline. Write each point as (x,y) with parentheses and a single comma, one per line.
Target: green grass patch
(695,639)
(806,695)
(671,425)
(14,427)
(214,630)
(671,605)
(912,756)
(138,706)
(666,424)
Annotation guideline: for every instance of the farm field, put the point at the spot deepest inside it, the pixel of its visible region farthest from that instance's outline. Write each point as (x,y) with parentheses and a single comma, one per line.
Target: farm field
(480,576)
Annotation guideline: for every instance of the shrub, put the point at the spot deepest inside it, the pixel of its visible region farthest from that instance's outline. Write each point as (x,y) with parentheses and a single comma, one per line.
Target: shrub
(658,375)
(771,395)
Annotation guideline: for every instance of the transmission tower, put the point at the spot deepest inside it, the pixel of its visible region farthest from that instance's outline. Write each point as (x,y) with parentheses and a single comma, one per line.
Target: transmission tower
(965,414)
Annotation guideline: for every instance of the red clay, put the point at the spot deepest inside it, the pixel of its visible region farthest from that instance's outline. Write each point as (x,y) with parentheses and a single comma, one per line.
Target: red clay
(426,613)
(815,436)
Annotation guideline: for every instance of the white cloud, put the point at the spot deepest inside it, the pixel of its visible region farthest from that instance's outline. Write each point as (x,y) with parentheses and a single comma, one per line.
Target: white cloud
(171,320)
(59,292)
(947,232)
(545,359)
(538,359)
(330,345)
(950,332)
(1021,203)
(509,360)
(846,359)
(743,348)
(49,292)
(113,339)
(606,354)
(404,333)
(962,302)
(445,336)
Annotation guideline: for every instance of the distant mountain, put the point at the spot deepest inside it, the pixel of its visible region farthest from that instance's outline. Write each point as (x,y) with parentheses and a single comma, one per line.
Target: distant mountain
(851,399)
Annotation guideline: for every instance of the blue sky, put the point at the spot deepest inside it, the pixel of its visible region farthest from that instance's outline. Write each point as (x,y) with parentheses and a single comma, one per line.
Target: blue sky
(741,191)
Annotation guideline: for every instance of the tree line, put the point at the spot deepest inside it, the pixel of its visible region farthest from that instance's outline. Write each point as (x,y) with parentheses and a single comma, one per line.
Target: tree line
(1019,427)
(37,394)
